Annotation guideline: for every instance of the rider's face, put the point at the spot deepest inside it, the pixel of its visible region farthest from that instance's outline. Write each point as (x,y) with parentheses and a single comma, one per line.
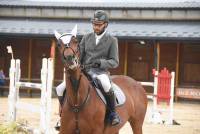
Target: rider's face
(99,27)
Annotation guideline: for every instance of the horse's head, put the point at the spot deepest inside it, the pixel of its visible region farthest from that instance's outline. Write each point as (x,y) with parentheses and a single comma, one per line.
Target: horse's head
(69,49)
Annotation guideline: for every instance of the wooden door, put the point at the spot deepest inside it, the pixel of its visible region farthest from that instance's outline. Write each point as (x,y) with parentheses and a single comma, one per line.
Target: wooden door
(140,60)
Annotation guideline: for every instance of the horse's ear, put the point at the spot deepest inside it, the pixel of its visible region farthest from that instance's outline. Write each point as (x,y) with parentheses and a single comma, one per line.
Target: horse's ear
(74,31)
(59,41)
(57,35)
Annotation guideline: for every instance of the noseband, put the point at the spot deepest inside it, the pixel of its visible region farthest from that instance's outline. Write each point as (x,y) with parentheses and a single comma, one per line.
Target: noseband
(70,58)
(74,53)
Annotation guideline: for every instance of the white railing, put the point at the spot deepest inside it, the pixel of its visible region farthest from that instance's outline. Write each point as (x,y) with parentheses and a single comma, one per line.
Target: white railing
(155,116)
(46,91)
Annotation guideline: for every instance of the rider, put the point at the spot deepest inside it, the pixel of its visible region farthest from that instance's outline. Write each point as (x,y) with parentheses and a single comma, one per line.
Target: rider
(100,49)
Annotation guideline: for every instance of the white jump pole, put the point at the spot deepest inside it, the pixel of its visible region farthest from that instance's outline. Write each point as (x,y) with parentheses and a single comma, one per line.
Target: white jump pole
(155,90)
(155,109)
(46,89)
(49,94)
(43,96)
(12,93)
(171,105)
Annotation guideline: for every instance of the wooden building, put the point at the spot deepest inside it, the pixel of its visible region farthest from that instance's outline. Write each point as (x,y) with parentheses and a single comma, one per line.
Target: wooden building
(151,35)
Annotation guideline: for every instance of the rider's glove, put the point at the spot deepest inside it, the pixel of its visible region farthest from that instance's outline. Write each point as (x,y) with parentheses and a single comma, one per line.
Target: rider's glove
(96,63)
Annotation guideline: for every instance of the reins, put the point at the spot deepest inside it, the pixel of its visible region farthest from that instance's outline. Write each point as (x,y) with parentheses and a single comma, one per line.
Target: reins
(75,107)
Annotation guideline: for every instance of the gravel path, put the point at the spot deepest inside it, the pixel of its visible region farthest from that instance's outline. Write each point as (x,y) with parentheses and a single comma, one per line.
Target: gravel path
(185,113)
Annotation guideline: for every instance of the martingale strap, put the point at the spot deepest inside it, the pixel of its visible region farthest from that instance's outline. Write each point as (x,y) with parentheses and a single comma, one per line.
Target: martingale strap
(75,83)
(77,108)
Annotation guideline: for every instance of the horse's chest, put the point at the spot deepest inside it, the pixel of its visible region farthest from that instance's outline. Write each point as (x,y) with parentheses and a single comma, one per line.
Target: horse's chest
(85,125)
(89,121)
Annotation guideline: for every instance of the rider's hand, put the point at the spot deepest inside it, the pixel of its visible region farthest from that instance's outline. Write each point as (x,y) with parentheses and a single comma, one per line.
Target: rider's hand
(96,63)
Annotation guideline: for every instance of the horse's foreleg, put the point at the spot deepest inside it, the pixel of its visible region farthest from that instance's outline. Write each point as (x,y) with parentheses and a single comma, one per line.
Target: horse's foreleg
(136,126)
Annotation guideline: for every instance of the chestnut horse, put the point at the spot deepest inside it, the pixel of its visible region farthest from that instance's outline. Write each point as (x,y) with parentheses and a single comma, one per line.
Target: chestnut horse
(83,112)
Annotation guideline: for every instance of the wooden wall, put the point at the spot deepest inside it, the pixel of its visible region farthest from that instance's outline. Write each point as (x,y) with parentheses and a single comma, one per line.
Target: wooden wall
(120,69)
(140,60)
(190,64)
(20,49)
(40,49)
(168,55)
(136,60)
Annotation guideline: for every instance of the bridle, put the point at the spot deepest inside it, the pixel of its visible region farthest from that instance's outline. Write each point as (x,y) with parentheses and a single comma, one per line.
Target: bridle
(74,107)
(73,57)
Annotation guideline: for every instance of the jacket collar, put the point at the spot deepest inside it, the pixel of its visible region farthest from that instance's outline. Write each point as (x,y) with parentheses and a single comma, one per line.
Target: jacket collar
(100,36)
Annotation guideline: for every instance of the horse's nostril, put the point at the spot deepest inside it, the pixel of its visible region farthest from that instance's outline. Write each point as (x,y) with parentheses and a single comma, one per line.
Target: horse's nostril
(69,58)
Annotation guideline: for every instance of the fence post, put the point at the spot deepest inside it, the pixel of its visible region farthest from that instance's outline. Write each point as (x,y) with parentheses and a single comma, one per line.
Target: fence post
(163,91)
(49,93)
(11,97)
(46,91)
(43,95)
(155,91)
(171,106)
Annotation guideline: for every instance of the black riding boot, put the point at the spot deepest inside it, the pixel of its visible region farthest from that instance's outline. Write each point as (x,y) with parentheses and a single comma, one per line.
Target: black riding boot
(113,116)
(61,101)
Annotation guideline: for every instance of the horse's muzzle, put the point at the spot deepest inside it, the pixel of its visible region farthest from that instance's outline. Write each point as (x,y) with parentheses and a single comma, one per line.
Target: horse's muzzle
(69,58)
(71,61)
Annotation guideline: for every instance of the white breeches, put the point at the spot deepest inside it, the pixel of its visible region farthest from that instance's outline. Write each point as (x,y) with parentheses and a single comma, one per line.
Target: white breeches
(103,78)
(60,88)
(105,82)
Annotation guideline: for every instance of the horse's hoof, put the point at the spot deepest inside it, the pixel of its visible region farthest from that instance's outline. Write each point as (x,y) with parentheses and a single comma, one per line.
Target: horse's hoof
(57,127)
(114,119)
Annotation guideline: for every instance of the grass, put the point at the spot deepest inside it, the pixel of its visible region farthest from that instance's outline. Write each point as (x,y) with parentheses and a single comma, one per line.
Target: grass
(14,128)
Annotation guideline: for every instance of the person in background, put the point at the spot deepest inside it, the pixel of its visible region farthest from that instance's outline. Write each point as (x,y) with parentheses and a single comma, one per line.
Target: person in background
(2,79)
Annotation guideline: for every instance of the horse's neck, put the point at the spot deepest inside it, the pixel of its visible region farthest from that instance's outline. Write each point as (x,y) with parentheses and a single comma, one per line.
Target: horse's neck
(82,86)
(74,73)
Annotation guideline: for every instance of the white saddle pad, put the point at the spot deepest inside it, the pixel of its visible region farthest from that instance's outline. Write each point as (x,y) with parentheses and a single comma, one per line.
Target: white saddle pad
(120,97)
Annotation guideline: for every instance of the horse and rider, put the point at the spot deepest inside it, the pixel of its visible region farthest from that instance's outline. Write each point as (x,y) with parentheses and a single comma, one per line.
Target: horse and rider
(91,59)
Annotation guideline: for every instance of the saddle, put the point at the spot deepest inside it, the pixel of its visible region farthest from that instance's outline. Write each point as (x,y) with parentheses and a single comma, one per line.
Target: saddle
(120,97)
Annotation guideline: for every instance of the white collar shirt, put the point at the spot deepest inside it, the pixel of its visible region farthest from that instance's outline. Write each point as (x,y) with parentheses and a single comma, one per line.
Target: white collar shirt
(98,37)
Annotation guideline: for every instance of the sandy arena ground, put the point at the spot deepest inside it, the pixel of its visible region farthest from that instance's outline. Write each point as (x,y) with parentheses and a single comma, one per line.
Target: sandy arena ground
(186,113)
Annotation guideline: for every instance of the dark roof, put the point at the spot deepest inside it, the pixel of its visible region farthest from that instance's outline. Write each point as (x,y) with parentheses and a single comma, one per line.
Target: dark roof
(125,29)
(194,4)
